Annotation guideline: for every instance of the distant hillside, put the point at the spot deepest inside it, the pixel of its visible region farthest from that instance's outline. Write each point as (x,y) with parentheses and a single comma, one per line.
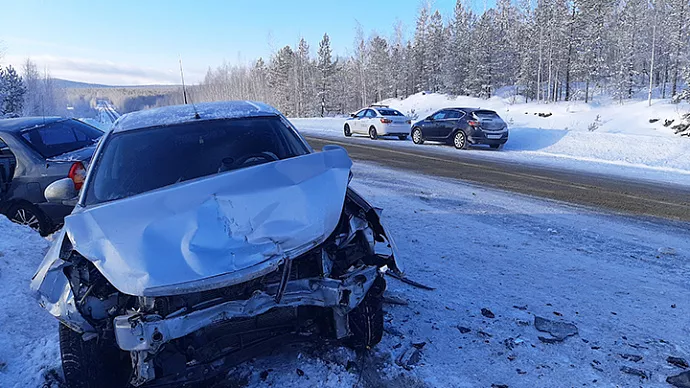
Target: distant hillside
(67,84)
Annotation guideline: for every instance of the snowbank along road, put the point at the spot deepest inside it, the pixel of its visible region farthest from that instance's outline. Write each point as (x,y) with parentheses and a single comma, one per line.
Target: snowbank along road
(612,292)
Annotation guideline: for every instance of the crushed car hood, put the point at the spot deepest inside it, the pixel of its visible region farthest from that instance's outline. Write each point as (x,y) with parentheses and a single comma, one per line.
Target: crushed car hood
(216,231)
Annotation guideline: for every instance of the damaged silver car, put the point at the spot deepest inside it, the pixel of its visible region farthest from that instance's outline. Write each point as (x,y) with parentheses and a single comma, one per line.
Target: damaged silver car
(202,237)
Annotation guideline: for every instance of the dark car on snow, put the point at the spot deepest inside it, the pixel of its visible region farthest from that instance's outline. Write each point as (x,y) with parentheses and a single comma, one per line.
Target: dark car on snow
(35,152)
(462,127)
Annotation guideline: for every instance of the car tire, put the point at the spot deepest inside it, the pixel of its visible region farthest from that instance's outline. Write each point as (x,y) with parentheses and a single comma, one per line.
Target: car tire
(417,137)
(366,320)
(27,214)
(373,135)
(460,140)
(346,131)
(496,146)
(91,364)
(402,137)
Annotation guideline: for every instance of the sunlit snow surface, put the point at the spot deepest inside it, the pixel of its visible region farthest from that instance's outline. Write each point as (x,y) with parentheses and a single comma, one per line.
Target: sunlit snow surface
(624,142)
(616,278)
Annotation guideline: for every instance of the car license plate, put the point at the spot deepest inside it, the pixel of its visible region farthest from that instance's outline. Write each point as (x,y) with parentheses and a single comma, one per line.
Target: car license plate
(493,136)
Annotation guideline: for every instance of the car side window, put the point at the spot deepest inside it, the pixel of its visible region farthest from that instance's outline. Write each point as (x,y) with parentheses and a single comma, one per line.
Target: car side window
(453,114)
(360,114)
(370,113)
(439,115)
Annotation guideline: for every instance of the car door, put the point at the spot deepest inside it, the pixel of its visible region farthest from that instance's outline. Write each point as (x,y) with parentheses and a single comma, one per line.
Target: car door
(368,120)
(448,124)
(356,123)
(434,127)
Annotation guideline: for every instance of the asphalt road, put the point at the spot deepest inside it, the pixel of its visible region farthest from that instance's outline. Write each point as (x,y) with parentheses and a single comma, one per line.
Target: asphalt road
(633,197)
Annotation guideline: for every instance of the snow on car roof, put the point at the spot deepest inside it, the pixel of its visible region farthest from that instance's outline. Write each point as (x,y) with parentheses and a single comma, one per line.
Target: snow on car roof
(18,124)
(179,114)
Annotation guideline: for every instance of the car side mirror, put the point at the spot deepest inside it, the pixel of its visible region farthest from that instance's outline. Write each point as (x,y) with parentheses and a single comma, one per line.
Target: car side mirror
(430,118)
(352,115)
(60,191)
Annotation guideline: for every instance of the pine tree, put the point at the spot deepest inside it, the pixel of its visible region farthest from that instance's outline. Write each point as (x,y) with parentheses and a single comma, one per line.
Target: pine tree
(281,79)
(379,68)
(12,94)
(326,70)
(436,38)
(421,51)
(456,63)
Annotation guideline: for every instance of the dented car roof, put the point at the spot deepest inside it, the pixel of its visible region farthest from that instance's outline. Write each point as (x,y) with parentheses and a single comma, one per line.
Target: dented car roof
(181,114)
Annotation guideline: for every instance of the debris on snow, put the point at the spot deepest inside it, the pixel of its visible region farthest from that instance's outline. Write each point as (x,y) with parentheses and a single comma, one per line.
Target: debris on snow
(300,372)
(488,313)
(680,381)
(633,371)
(464,330)
(667,251)
(558,330)
(411,282)
(410,357)
(523,308)
(677,361)
(632,357)
(396,300)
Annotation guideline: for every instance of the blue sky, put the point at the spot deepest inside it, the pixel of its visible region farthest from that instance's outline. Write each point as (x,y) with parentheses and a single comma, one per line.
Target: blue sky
(140,42)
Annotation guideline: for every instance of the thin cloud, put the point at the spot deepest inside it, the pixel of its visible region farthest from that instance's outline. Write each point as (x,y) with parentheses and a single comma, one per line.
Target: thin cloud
(103,72)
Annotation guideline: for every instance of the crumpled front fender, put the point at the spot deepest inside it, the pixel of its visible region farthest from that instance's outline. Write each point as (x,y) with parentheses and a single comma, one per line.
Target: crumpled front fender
(51,288)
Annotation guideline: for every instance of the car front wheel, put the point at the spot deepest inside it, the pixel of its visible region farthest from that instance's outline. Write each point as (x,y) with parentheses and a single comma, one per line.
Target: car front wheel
(372,133)
(366,320)
(346,131)
(31,216)
(417,136)
(94,363)
(460,140)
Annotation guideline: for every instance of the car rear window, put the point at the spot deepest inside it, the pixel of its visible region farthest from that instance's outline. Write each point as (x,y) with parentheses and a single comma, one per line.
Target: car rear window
(486,114)
(389,112)
(61,137)
(138,161)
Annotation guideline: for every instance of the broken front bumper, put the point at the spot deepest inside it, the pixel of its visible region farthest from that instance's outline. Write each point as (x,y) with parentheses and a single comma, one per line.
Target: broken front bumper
(147,332)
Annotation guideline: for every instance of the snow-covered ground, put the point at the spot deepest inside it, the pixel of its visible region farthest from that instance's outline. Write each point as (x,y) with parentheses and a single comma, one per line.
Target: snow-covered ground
(623,282)
(624,143)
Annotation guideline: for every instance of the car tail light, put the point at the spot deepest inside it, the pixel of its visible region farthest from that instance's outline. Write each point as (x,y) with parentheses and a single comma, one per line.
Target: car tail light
(77,173)
(473,123)
(386,121)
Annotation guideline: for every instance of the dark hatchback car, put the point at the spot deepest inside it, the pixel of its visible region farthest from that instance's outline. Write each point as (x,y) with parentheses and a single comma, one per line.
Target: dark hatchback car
(462,127)
(35,152)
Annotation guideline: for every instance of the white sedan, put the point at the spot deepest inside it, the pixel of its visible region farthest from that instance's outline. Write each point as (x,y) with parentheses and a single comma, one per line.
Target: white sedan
(378,120)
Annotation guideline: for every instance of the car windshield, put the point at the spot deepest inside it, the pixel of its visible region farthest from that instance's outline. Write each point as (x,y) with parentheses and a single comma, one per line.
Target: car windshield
(61,137)
(138,161)
(390,112)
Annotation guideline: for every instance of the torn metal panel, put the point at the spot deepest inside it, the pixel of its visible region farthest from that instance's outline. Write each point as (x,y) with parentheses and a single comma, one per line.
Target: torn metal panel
(138,332)
(220,230)
(53,291)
